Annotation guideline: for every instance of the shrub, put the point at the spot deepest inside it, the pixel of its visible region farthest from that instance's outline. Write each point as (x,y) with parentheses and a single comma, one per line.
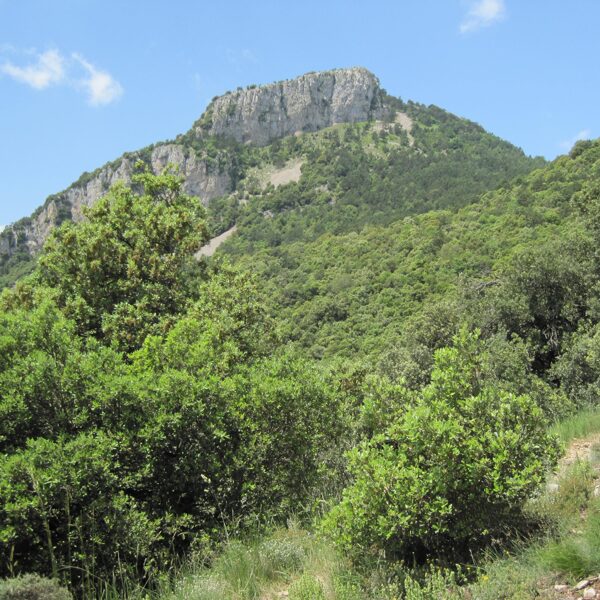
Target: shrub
(454,468)
(32,587)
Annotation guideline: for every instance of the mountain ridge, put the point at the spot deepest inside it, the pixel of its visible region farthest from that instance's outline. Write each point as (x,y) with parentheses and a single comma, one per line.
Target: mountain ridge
(214,155)
(335,94)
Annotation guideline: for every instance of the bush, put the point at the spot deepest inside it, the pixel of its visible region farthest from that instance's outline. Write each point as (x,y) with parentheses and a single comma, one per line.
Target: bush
(453,469)
(32,587)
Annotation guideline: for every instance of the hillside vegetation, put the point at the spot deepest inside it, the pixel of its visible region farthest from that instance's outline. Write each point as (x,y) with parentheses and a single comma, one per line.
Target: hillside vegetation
(352,293)
(362,395)
(373,172)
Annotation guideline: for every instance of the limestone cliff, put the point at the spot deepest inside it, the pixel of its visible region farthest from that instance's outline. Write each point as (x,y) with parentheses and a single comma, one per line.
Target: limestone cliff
(200,179)
(258,115)
(255,115)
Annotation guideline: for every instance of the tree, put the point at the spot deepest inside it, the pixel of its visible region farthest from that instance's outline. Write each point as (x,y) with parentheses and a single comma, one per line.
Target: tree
(121,274)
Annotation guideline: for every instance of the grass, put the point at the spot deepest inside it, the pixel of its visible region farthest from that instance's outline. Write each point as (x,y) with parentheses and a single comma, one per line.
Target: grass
(562,505)
(288,561)
(577,555)
(578,426)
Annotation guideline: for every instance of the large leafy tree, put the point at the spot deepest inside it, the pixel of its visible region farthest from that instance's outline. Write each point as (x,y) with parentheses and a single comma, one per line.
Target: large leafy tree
(121,274)
(140,405)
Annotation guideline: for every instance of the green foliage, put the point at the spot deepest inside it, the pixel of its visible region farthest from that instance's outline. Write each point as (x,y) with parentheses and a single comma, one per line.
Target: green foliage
(287,559)
(520,260)
(578,555)
(436,584)
(307,588)
(578,368)
(112,463)
(577,426)
(119,274)
(134,457)
(149,403)
(574,491)
(15,267)
(39,375)
(64,504)
(454,467)
(354,175)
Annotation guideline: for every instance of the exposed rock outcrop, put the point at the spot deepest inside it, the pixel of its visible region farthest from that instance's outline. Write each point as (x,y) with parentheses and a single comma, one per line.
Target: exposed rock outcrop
(258,115)
(255,115)
(200,179)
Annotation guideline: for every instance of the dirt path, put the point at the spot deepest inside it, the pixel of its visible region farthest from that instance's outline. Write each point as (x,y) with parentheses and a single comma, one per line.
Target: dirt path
(210,248)
(579,449)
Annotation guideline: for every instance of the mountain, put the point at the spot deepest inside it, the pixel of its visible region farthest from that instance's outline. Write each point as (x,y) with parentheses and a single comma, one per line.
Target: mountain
(254,141)
(411,310)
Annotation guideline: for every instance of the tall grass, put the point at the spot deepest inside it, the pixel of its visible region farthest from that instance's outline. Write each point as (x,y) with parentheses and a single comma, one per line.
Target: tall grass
(289,561)
(580,425)
(578,555)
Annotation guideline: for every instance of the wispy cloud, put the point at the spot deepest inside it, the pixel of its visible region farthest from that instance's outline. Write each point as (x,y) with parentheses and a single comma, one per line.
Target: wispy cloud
(483,13)
(239,58)
(52,68)
(48,69)
(584,134)
(101,87)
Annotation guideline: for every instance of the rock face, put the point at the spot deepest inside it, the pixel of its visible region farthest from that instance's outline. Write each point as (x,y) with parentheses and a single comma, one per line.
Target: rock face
(258,115)
(200,180)
(78,196)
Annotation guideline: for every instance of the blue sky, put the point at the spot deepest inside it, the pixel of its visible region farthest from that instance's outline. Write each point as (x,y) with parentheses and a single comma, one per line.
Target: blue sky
(82,81)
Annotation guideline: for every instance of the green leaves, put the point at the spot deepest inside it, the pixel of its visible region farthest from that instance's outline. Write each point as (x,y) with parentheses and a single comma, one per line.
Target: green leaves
(120,274)
(452,468)
(135,414)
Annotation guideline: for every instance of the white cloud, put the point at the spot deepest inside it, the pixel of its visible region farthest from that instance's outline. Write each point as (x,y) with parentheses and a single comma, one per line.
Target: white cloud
(483,13)
(101,87)
(52,68)
(48,69)
(584,134)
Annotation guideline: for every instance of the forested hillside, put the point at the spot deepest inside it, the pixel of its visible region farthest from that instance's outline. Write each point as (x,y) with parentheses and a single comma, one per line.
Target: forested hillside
(403,159)
(421,158)
(356,397)
(350,294)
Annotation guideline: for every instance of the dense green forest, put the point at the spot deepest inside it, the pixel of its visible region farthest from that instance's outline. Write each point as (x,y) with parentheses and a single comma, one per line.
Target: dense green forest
(380,353)
(352,293)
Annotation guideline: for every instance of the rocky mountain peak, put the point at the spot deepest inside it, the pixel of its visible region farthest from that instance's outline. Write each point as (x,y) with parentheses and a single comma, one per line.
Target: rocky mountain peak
(260,114)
